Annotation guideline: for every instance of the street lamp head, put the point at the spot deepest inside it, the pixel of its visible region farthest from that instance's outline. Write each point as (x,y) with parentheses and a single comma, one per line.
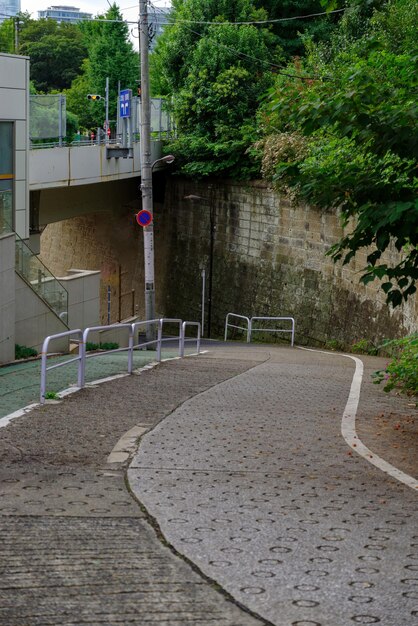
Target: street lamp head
(192,196)
(169,158)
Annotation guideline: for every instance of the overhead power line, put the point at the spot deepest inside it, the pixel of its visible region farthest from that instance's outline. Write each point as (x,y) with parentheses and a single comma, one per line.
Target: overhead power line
(273,21)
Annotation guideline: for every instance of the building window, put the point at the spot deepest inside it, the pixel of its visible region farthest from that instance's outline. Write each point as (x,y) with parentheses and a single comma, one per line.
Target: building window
(6,177)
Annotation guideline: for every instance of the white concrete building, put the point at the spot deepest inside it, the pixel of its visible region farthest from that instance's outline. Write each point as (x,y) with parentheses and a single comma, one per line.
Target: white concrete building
(14,188)
(68,14)
(33,303)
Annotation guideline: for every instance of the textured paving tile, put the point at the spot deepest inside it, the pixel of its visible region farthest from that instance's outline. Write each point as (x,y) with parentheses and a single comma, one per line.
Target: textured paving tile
(75,546)
(100,571)
(253,482)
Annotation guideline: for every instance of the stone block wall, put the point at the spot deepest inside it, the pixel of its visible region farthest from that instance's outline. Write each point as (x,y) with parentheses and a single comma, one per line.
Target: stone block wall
(267,258)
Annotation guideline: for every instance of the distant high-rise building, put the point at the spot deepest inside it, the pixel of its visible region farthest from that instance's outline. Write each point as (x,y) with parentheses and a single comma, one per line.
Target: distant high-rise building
(9,8)
(64,14)
(157,20)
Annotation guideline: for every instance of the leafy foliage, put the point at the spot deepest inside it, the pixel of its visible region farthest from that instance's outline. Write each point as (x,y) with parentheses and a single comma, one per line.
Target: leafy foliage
(172,60)
(9,28)
(364,346)
(290,34)
(7,36)
(216,79)
(110,54)
(401,373)
(358,122)
(56,53)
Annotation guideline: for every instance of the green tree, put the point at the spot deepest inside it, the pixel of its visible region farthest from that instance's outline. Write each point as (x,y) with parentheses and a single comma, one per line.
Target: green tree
(56,53)
(110,54)
(215,75)
(7,36)
(291,33)
(172,59)
(215,110)
(10,32)
(354,130)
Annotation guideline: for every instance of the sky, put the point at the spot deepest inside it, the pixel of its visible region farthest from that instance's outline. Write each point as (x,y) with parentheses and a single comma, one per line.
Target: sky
(129,9)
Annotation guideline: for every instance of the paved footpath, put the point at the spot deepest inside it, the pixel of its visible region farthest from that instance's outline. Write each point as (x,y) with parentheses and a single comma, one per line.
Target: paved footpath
(247,505)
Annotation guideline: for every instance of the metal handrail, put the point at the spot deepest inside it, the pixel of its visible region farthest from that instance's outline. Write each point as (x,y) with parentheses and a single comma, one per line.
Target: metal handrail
(86,356)
(243,317)
(132,328)
(133,346)
(161,322)
(183,336)
(44,355)
(274,330)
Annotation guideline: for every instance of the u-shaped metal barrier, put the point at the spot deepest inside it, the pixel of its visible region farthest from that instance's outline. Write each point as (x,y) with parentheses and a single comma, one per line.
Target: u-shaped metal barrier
(249,328)
(82,336)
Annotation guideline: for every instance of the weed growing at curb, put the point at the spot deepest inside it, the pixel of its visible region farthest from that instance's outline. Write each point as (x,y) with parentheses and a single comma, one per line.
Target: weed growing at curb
(401,373)
(51,395)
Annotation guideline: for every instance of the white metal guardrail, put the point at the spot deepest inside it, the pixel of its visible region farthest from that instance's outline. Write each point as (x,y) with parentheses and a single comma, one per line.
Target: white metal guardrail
(242,317)
(139,345)
(44,354)
(91,355)
(274,330)
(161,340)
(250,329)
(183,335)
(132,331)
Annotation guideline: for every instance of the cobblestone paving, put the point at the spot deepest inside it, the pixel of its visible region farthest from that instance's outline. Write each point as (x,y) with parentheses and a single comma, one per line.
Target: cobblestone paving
(75,546)
(253,482)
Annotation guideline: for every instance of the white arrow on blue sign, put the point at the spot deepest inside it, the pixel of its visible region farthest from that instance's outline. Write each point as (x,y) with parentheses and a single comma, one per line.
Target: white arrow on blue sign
(125,103)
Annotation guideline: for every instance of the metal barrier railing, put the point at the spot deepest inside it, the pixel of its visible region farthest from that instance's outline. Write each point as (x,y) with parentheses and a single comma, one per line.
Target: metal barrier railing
(274,330)
(183,336)
(250,327)
(132,330)
(161,322)
(44,369)
(243,317)
(95,354)
(139,345)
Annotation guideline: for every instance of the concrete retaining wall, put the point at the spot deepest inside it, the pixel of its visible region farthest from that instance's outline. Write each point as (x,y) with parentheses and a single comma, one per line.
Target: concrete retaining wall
(267,258)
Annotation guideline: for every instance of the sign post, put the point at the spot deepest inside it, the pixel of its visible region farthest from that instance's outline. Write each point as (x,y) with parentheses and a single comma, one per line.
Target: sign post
(144,217)
(125,97)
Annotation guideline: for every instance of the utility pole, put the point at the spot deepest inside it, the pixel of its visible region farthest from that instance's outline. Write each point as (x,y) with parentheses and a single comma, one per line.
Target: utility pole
(107,110)
(146,169)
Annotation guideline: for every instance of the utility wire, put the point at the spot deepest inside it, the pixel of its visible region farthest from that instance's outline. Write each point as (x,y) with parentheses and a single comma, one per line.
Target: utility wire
(273,21)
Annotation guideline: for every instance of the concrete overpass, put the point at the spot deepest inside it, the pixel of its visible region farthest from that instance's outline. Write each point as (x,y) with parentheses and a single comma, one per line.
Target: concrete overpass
(69,181)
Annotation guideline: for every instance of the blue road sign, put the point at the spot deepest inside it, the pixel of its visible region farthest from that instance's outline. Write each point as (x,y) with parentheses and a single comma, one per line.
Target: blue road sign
(125,103)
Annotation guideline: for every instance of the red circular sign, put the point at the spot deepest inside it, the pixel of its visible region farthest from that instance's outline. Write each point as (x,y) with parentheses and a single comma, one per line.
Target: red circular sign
(144,218)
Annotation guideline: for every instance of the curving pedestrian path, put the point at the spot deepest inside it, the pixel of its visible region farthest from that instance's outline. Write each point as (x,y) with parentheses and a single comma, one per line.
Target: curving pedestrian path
(253,482)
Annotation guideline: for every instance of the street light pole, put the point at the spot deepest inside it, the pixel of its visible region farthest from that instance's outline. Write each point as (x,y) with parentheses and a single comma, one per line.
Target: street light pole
(212,227)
